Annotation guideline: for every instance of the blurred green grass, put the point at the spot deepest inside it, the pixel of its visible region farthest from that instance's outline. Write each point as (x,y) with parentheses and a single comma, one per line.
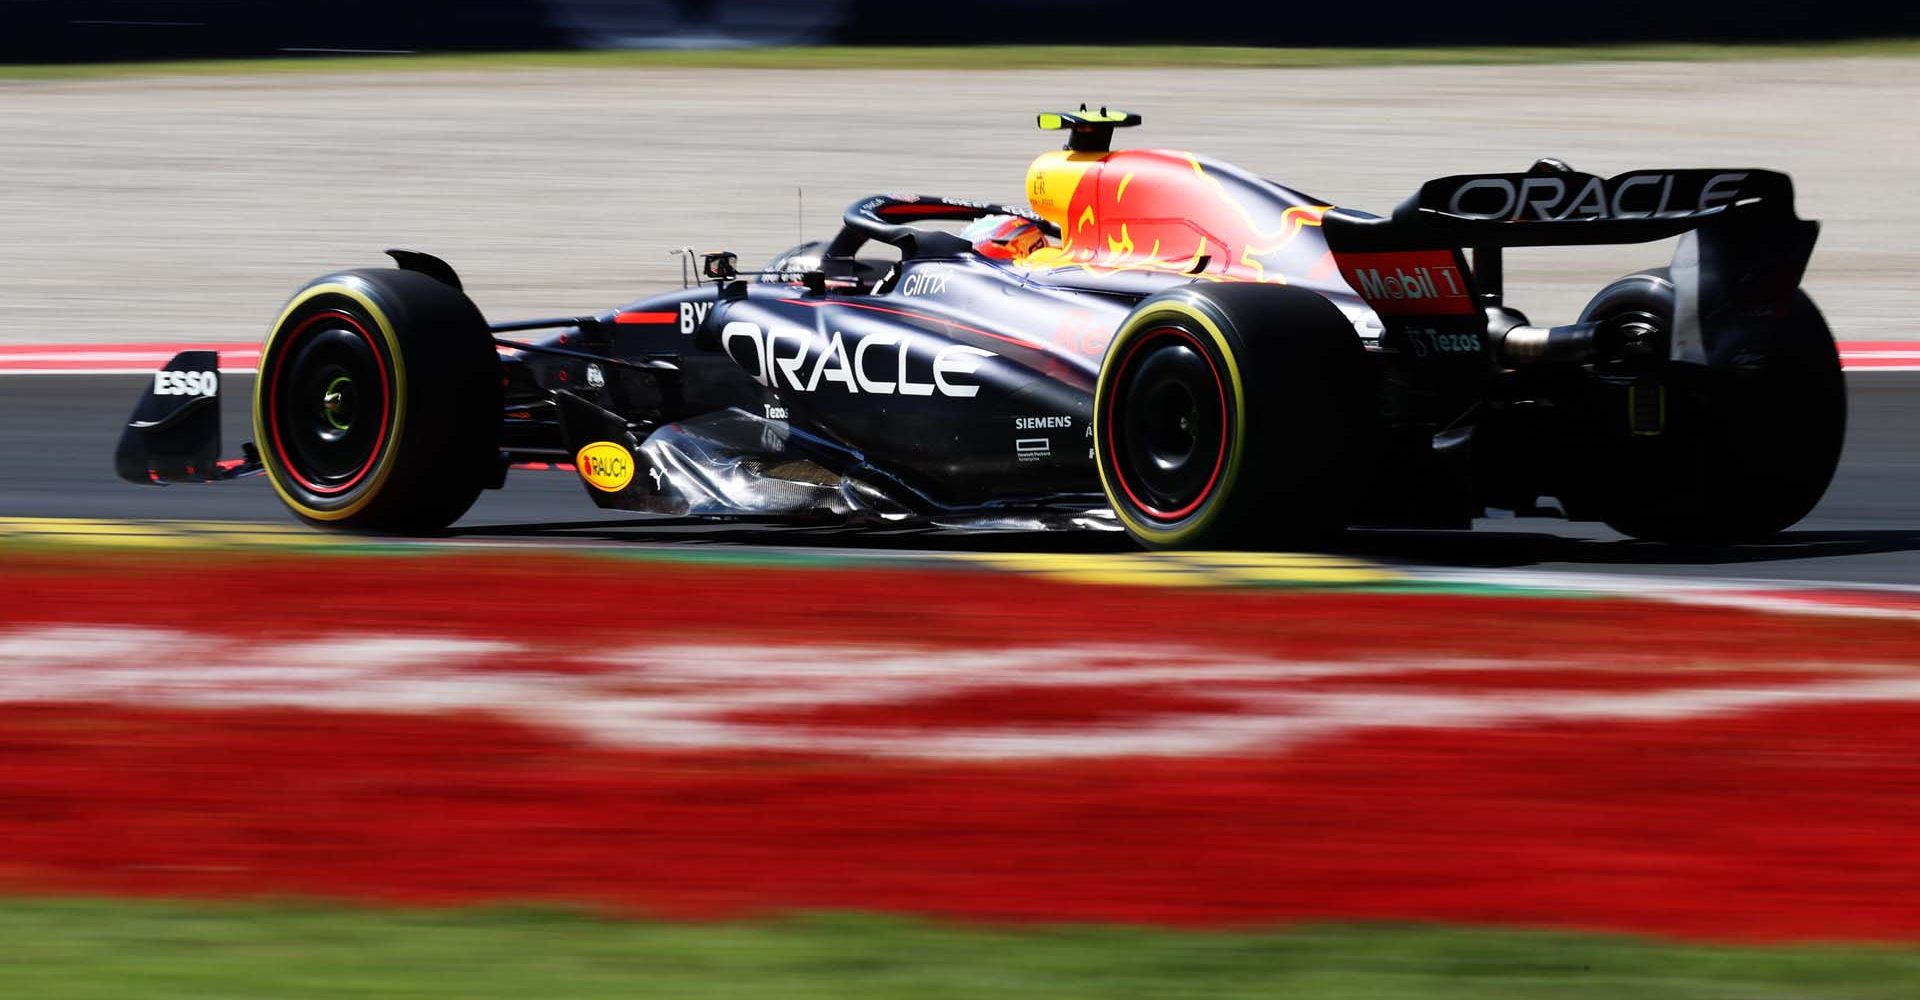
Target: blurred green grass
(1000,59)
(70,949)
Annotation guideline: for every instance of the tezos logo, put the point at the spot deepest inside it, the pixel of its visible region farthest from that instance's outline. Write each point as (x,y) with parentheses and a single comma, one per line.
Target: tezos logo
(166,383)
(606,466)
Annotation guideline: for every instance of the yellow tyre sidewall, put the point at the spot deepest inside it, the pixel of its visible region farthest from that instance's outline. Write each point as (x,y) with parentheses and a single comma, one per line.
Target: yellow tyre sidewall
(389,452)
(1181,532)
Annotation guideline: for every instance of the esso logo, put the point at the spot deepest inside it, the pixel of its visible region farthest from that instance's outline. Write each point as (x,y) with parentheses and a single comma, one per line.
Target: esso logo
(166,383)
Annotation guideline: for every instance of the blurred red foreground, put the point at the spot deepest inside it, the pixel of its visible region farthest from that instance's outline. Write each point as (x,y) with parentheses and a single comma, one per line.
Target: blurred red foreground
(675,739)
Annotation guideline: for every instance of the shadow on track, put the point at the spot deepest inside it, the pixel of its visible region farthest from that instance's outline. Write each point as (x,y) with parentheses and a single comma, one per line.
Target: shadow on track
(1486,549)
(1512,550)
(675,531)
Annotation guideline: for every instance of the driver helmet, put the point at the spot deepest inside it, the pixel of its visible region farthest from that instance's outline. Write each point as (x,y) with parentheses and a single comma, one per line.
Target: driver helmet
(1004,237)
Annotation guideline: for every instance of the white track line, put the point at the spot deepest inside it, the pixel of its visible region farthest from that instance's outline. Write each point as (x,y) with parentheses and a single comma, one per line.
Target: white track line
(142,359)
(721,696)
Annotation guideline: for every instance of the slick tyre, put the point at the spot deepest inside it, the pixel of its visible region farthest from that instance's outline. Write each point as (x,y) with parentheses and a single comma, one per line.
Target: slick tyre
(377,406)
(1231,416)
(1748,442)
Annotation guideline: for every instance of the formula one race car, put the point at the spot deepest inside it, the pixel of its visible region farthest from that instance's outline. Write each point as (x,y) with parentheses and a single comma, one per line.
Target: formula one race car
(1160,343)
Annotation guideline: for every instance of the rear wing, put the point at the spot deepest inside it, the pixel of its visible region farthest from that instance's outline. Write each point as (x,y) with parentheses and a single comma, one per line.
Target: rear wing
(1552,207)
(1742,250)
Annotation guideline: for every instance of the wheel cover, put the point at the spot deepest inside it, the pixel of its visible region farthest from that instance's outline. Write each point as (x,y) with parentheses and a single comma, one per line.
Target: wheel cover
(329,403)
(1167,437)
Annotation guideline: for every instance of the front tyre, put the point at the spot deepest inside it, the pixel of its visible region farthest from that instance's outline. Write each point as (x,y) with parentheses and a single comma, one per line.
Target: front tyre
(1230,416)
(377,406)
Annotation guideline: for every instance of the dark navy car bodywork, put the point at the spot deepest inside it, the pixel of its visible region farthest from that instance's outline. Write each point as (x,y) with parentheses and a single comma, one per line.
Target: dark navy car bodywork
(939,381)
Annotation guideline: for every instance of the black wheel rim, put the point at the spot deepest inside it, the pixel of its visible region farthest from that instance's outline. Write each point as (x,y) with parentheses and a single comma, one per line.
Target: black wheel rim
(1168,426)
(330,402)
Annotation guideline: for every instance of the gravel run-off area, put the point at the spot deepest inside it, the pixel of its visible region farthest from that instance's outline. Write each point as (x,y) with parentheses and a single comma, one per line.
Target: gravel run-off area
(189,208)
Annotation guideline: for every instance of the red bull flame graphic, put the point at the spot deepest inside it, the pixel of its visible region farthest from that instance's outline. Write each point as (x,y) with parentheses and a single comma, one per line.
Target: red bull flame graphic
(1159,210)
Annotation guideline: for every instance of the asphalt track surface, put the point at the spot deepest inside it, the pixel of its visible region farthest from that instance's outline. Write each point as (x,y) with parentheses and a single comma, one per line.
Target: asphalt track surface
(57,434)
(187,209)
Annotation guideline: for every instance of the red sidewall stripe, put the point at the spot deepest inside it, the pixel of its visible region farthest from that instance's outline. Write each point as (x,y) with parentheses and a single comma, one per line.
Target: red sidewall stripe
(273,402)
(1219,458)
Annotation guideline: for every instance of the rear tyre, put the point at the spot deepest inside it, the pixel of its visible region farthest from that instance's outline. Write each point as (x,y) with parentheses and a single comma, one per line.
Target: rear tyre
(1750,442)
(378,403)
(1231,416)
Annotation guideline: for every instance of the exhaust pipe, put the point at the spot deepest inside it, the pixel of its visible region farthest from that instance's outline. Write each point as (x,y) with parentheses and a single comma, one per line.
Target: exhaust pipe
(1520,345)
(1632,337)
